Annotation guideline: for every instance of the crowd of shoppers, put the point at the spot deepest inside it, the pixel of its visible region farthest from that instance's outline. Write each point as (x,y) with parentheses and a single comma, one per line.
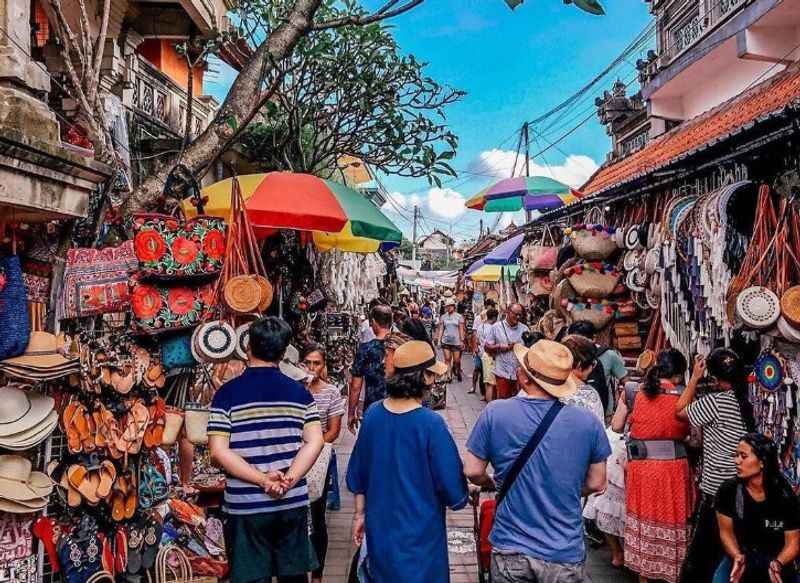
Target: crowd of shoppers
(557,455)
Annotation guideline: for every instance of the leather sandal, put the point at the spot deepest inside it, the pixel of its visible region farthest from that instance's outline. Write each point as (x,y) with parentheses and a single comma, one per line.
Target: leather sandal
(154,434)
(121,550)
(84,481)
(88,439)
(135,426)
(107,474)
(120,488)
(72,412)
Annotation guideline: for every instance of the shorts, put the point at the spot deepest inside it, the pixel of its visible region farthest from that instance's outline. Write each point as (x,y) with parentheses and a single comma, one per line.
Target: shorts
(517,568)
(477,362)
(488,369)
(269,544)
(452,347)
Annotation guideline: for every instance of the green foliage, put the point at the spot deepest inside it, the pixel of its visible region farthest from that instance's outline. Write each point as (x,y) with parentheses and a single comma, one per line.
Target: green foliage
(350,91)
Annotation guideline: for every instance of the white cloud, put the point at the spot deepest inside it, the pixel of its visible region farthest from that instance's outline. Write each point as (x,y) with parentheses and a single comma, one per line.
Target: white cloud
(446,203)
(574,171)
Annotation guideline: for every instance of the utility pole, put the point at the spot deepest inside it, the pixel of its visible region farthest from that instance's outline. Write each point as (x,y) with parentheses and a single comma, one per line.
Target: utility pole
(480,231)
(526,137)
(414,236)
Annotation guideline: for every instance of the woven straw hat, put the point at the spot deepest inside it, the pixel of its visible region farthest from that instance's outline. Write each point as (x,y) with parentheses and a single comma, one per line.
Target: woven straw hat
(242,294)
(31,437)
(22,410)
(549,364)
(41,353)
(417,355)
(19,484)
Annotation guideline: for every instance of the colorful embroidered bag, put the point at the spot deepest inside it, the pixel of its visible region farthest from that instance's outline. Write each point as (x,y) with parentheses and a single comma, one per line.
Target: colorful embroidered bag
(169,248)
(158,307)
(96,281)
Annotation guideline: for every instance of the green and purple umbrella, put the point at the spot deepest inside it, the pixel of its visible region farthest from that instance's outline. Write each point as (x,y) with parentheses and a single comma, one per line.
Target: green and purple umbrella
(532,193)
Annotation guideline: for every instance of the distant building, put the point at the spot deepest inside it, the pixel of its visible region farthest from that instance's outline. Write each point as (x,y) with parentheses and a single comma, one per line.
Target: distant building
(435,246)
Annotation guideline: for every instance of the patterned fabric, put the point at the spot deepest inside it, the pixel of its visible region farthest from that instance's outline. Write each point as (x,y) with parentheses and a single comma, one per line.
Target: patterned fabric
(330,403)
(263,412)
(96,281)
(587,398)
(161,308)
(658,494)
(17,559)
(169,248)
(608,509)
(369,364)
(37,288)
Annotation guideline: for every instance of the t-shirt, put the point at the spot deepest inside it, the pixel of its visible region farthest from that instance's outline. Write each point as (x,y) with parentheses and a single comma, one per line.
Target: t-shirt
(264,413)
(408,467)
(613,365)
(482,330)
(427,313)
(330,403)
(506,364)
(758,526)
(589,399)
(451,328)
(369,364)
(719,416)
(541,514)
(465,309)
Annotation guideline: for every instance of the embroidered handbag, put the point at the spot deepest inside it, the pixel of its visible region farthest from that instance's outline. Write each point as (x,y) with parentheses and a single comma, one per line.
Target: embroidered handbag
(17,559)
(170,248)
(14,318)
(96,281)
(158,307)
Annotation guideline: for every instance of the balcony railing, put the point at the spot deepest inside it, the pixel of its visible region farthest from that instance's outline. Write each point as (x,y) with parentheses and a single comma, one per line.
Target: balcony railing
(159,98)
(702,20)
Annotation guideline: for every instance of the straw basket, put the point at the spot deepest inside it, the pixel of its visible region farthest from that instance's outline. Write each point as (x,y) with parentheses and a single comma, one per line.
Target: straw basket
(242,294)
(598,318)
(790,306)
(593,245)
(196,421)
(172,425)
(593,284)
(266,292)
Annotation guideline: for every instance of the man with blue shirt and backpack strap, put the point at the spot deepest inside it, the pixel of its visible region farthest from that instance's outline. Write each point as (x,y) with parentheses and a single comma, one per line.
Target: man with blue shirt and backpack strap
(264,431)
(546,456)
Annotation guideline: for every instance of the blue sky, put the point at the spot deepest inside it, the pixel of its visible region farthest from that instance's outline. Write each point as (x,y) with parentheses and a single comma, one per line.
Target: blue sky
(514,66)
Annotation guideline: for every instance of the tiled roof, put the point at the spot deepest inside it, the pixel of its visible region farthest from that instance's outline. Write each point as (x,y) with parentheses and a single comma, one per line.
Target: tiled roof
(768,97)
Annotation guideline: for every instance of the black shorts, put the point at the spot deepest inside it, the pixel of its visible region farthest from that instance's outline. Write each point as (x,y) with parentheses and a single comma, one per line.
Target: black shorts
(269,544)
(452,347)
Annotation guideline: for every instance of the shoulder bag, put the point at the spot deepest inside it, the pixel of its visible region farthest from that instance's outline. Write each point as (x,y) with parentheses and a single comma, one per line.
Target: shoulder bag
(489,507)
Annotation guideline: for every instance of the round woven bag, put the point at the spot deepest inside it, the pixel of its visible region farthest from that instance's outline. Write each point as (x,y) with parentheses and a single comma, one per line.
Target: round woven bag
(242,294)
(651,260)
(266,292)
(631,259)
(216,341)
(599,318)
(593,245)
(790,306)
(619,238)
(242,340)
(768,371)
(633,281)
(593,284)
(758,307)
(789,332)
(632,237)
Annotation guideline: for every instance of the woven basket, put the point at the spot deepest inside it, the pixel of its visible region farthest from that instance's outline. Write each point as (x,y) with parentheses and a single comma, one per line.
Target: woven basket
(599,318)
(790,306)
(593,284)
(593,246)
(242,294)
(196,421)
(172,426)
(266,292)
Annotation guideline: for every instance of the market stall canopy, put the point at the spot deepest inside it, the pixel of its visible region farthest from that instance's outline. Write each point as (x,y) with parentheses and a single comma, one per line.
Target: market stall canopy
(507,253)
(538,193)
(494,273)
(283,200)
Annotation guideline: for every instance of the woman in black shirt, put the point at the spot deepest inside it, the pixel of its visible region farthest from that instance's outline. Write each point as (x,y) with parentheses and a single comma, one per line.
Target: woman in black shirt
(759,518)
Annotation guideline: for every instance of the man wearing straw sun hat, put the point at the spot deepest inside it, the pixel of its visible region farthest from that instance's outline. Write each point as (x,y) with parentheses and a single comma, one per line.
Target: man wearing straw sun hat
(538,528)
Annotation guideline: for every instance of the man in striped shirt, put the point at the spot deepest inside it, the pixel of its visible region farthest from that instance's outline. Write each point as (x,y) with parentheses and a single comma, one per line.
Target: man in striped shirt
(264,431)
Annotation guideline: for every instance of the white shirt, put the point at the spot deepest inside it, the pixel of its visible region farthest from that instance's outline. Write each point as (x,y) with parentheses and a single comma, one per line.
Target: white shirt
(506,364)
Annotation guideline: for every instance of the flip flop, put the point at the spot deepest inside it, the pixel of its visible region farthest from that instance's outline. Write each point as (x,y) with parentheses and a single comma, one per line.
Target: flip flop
(81,479)
(135,542)
(69,421)
(152,542)
(121,550)
(107,553)
(107,473)
(154,434)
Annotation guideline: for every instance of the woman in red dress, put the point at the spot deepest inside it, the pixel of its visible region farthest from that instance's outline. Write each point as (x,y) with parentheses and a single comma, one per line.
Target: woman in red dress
(658,484)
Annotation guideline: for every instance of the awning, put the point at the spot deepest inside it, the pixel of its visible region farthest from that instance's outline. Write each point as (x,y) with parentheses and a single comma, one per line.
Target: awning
(507,253)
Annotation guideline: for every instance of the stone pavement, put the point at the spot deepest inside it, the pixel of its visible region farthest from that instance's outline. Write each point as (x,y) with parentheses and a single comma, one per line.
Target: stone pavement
(461,413)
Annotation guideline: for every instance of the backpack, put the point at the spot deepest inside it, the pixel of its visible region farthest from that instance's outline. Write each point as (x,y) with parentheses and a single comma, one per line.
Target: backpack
(598,381)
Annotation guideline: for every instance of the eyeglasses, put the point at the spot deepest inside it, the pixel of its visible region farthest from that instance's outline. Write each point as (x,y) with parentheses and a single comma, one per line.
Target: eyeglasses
(517,314)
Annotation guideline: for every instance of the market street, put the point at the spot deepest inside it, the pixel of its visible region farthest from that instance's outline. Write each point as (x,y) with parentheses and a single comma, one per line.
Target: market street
(461,413)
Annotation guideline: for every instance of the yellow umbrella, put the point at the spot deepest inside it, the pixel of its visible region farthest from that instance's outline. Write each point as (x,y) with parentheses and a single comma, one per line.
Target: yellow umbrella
(345,241)
(493,273)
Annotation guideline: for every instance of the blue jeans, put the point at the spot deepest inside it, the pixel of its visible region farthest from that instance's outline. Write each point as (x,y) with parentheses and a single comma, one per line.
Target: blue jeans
(723,572)
(334,496)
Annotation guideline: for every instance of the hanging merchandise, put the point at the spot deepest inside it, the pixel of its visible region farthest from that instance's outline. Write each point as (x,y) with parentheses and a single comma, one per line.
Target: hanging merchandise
(592,242)
(42,360)
(593,280)
(158,307)
(14,319)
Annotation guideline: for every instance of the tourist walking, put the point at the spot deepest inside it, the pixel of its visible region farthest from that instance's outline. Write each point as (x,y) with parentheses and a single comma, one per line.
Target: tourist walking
(538,530)
(405,471)
(500,343)
(606,377)
(451,336)
(482,330)
(759,518)
(584,361)
(368,370)
(724,416)
(330,405)
(264,431)
(658,485)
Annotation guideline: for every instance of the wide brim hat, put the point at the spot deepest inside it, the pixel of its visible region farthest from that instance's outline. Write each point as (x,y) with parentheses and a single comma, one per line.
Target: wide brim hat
(26,374)
(417,355)
(41,353)
(22,410)
(294,372)
(19,484)
(32,436)
(449,302)
(549,365)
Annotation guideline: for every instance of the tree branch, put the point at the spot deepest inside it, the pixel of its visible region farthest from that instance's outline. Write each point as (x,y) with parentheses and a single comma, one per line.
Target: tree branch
(361,20)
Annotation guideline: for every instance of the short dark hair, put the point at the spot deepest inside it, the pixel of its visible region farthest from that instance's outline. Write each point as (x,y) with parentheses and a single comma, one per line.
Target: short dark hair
(492,314)
(582,328)
(583,350)
(409,385)
(382,314)
(489,303)
(269,338)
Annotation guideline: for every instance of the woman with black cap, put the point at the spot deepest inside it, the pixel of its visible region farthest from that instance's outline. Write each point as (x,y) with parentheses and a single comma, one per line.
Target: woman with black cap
(405,471)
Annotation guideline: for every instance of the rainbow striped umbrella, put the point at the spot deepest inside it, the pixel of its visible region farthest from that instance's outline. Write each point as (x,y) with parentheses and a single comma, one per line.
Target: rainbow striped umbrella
(532,193)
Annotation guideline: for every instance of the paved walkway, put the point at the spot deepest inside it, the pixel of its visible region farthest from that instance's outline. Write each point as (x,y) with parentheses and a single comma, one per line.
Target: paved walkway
(461,413)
